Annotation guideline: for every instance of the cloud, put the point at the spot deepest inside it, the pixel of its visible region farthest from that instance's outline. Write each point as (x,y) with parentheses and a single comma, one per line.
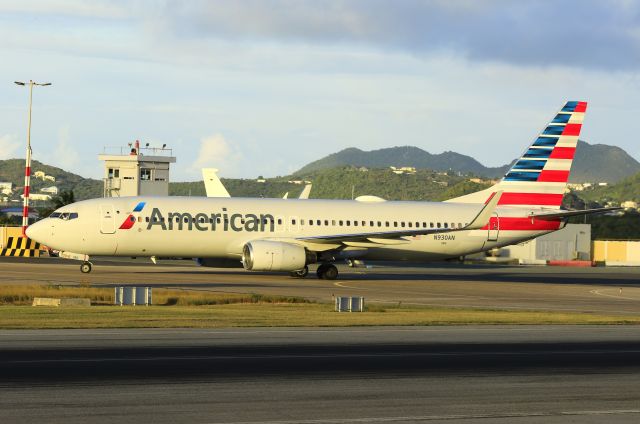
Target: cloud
(216,152)
(9,146)
(576,33)
(65,154)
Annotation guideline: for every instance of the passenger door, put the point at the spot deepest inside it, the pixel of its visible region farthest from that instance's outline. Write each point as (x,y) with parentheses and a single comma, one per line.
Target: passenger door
(107,220)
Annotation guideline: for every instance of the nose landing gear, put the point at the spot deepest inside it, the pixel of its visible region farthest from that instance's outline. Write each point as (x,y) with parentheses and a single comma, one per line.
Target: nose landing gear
(85,268)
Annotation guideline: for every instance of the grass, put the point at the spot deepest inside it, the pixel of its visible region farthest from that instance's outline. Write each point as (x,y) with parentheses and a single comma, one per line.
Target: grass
(194,309)
(276,315)
(24,294)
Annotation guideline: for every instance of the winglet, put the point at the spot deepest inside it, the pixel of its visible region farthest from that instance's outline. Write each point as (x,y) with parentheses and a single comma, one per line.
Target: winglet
(482,219)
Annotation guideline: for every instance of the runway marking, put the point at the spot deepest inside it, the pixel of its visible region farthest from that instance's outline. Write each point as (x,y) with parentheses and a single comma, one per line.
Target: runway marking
(440,417)
(598,292)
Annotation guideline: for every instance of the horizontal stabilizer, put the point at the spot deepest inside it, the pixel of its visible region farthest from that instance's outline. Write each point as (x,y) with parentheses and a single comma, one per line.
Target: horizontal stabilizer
(553,215)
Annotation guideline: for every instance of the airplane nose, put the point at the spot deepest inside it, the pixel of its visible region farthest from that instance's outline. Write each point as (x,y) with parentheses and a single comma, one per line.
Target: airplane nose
(37,231)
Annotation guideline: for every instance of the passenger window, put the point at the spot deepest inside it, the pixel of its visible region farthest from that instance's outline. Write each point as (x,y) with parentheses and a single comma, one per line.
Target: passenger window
(147,219)
(371,224)
(341,222)
(293,222)
(446,225)
(431,225)
(439,225)
(459,224)
(364,223)
(386,223)
(395,224)
(402,224)
(318,222)
(326,222)
(311,222)
(279,221)
(333,222)
(379,224)
(355,223)
(410,224)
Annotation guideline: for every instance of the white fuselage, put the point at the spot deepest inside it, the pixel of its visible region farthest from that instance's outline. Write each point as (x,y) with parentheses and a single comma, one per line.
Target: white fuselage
(220,227)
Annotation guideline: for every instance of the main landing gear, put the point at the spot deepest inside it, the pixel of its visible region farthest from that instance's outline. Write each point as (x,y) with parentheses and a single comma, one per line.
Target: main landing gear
(85,268)
(327,272)
(324,272)
(301,273)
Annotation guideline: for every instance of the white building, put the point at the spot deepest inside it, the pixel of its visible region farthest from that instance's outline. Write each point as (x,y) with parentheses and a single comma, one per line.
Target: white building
(573,242)
(37,196)
(136,171)
(50,190)
(6,188)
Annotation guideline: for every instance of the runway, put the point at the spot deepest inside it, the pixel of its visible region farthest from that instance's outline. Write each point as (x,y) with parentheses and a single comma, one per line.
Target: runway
(601,290)
(521,374)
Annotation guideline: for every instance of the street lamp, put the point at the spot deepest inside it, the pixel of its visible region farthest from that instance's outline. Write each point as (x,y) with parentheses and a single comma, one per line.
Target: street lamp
(27,170)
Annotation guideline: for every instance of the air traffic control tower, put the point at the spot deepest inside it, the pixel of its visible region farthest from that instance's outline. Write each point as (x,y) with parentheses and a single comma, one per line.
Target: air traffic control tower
(136,171)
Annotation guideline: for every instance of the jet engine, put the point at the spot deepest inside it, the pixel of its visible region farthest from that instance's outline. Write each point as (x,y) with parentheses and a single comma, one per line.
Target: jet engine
(267,255)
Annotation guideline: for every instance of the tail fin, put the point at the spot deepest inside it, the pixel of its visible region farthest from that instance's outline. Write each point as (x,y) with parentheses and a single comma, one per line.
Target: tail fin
(539,178)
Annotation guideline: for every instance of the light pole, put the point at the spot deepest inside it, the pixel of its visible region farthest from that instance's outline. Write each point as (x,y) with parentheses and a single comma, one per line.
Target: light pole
(27,169)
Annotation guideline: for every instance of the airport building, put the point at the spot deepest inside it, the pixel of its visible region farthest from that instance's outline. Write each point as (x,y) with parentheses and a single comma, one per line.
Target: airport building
(136,171)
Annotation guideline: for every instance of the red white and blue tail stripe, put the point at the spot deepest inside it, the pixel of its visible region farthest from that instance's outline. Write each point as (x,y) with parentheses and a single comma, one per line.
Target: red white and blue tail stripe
(539,178)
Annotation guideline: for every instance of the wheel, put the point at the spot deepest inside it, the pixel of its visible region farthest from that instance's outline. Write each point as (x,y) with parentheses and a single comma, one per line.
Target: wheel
(85,268)
(301,273)
(320,271)
(331,273)
(327,272)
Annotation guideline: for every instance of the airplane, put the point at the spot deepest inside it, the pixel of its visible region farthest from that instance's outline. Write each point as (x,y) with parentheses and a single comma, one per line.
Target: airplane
(212,184)
(214,188)
(288,235)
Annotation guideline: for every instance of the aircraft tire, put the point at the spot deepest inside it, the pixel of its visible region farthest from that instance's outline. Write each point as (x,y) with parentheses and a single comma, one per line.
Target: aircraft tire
(85,268)
(327,272)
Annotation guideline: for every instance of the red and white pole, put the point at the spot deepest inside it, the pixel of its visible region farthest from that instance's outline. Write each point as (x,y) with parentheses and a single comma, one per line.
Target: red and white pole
(27,170)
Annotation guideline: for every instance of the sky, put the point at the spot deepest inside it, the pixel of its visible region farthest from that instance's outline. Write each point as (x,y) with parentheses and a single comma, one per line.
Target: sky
(261,87)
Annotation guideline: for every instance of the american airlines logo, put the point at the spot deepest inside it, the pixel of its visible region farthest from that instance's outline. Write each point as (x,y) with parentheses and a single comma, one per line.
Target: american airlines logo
(223,221)
(131,219)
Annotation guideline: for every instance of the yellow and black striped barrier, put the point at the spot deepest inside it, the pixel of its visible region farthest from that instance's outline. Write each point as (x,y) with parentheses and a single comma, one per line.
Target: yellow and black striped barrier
(21,246)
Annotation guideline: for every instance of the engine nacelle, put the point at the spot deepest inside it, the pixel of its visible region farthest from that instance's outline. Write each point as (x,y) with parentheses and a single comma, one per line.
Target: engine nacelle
(267,255)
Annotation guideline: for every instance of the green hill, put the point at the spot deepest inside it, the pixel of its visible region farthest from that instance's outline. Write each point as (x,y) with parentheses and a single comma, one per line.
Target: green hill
(403,156)
(343,182)
(602,163)
(593,163)
(12,170)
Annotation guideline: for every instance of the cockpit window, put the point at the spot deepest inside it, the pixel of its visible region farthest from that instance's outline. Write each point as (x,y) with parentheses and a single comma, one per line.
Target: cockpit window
(66,216)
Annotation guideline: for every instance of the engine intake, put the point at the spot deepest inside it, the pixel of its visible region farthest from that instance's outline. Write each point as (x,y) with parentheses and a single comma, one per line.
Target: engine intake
(266,255)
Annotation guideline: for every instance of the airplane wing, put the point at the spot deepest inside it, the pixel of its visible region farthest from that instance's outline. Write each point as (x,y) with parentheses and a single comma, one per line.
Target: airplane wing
(212,183)
(387,237)
(554,215)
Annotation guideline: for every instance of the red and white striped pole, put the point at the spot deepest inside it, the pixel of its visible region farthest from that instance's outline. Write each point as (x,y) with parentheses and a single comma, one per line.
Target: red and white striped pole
(27,167)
